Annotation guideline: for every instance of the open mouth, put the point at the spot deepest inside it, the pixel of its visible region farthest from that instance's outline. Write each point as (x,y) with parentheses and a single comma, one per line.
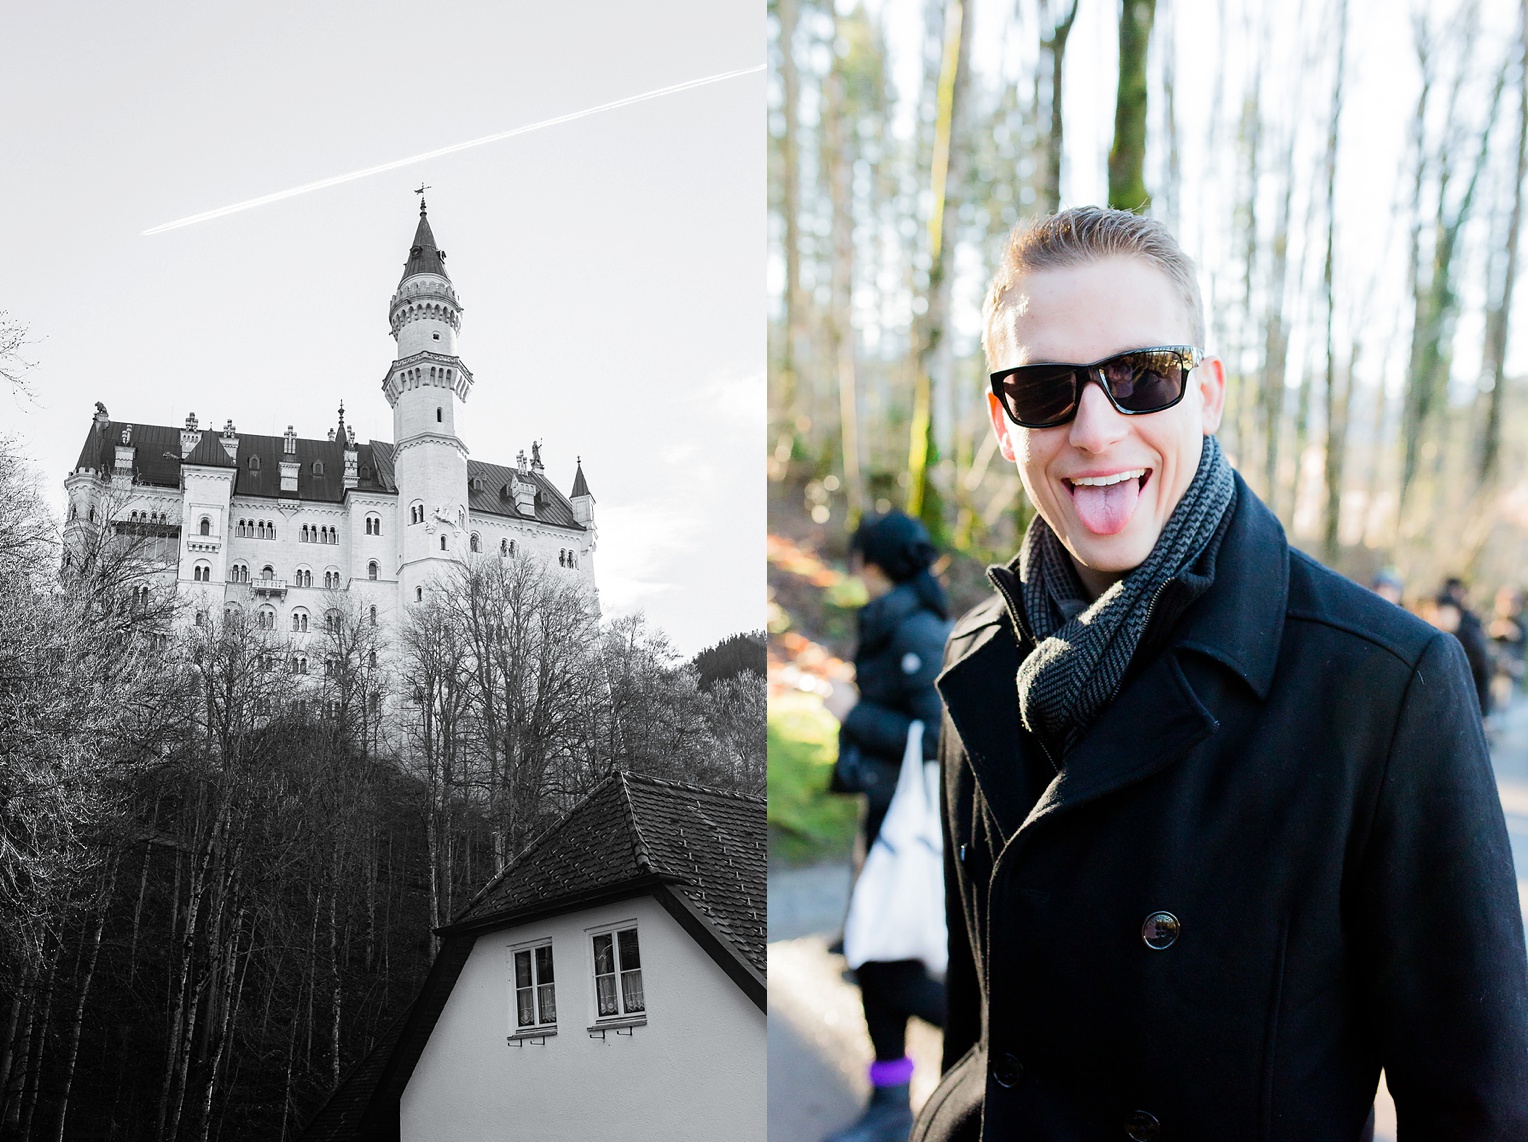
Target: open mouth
(1105,504)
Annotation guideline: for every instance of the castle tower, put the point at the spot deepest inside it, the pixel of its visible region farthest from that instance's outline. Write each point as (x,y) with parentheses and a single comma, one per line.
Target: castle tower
(426,382)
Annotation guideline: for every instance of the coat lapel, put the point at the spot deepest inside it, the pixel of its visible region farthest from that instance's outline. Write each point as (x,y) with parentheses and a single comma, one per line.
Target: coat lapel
(979,692)
(1154,721)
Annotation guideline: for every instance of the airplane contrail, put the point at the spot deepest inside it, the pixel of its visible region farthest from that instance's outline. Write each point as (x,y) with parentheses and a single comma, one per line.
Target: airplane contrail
(335,180)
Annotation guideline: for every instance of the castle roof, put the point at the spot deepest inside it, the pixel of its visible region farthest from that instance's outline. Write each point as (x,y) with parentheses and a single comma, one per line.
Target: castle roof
(320,473)
(580,485)
(424,256)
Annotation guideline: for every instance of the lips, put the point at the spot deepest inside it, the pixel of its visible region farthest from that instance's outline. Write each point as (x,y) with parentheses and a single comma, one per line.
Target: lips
(1105,503)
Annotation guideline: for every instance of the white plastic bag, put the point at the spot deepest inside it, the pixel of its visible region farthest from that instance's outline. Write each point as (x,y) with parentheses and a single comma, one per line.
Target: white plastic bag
(896,911)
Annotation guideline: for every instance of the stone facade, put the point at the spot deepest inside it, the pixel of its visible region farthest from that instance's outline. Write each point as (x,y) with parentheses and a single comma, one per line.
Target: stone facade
(270,524)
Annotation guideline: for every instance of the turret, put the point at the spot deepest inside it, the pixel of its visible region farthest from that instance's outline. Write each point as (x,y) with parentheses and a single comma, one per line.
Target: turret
(424,386)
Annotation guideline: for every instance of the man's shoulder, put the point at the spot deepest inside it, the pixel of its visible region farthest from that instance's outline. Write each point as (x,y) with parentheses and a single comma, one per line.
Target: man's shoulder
(1329,605)
(987,613)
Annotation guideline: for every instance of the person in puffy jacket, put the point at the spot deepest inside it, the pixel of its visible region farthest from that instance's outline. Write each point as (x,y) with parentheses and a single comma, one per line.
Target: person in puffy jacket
(902,631)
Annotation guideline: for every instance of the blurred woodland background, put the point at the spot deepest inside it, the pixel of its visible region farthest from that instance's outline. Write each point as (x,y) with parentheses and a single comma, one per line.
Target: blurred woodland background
(1348,175)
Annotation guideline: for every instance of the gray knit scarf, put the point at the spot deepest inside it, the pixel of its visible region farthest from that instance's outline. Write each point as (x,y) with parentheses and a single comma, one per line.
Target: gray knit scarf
(1082,650)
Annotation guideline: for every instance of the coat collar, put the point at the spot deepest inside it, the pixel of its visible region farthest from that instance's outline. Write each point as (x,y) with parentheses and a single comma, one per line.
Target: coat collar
(1157,717)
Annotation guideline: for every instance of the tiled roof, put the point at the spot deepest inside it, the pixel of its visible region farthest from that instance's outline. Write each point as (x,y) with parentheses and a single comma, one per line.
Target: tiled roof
(157,461)
(209,453)
(424,256)
(551,505)
(711,842)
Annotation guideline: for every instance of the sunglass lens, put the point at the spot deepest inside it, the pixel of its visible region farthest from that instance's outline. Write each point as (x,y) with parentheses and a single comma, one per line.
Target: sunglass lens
(1144,382)
(1040,394)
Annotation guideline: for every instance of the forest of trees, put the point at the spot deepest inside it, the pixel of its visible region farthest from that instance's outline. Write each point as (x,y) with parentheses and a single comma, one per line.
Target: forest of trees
(1349,177)
(219,875)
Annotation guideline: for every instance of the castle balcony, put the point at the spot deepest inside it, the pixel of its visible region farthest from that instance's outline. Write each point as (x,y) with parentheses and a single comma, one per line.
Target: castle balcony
(268,588)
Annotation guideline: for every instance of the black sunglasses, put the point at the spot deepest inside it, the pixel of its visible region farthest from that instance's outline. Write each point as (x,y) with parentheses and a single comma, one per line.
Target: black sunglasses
(1137,382)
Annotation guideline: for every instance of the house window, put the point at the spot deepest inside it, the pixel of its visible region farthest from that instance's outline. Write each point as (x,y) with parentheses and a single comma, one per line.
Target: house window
(206,528)
(535,991)
(371,569)
(202,573)
(618,974)
(373,525)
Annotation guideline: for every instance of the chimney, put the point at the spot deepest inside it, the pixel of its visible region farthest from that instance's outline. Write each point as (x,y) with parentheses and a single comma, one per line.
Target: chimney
(125,453)
(190,436)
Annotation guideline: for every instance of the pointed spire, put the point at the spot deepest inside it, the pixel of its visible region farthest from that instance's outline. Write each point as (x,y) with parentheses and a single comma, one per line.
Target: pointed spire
(341,433)
(580,485)
(424,256)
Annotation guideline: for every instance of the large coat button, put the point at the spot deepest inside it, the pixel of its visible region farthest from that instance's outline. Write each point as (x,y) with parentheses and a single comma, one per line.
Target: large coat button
(1142,1127)
(1006,1070)
(1160,930)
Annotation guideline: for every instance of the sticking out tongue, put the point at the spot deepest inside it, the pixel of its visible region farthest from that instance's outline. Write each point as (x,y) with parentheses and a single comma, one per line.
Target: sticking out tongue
(1106,511)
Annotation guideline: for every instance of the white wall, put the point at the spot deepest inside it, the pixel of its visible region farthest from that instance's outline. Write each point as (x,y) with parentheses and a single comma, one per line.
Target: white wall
(694,1071)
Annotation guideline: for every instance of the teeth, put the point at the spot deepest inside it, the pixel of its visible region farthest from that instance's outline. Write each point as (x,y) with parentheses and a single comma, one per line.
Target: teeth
(1105,481)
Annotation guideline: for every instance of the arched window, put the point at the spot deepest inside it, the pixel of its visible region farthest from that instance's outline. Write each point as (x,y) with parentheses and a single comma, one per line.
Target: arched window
(371,569)
(267,572)
(418,594)
(374,616)
(442,543)
(270,531)
(371,658)
(254,463)
(302,535)
(260,530)
(318,467)
(474,541)
(202,573)
(332,622)
(206,526)
(562,558)
(267,619)
(438,417)
(373,525)
(503,547)
(201,618)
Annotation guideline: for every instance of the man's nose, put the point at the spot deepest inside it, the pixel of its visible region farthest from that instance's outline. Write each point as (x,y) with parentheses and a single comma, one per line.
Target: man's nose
(1097,425)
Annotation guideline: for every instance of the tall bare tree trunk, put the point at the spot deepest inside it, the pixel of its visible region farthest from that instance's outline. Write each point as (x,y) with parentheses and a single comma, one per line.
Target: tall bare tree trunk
(1501,306)
(1127,157)
(840,150)
(1336,403)
(790,208)
(1053,50)
(922,498)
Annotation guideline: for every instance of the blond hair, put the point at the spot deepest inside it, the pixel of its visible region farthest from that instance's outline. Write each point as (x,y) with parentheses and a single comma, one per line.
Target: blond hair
(1086,234)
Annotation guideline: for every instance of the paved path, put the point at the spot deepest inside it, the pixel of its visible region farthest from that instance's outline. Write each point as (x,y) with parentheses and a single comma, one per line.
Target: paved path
(818,1050)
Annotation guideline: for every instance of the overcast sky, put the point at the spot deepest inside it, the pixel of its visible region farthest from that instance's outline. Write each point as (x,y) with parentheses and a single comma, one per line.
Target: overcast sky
(611,268)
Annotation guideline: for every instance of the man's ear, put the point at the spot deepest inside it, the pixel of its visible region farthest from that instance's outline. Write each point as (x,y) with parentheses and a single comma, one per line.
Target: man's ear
(1211,379)
(1003,427)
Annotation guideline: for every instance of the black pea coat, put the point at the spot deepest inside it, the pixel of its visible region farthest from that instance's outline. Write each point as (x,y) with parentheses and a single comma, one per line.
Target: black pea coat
(1296,773)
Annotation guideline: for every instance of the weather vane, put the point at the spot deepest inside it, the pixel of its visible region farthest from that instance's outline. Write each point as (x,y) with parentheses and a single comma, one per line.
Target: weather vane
(420,193)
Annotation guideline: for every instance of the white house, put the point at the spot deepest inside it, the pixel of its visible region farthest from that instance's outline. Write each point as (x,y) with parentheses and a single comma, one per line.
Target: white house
(269,525)
(610,983)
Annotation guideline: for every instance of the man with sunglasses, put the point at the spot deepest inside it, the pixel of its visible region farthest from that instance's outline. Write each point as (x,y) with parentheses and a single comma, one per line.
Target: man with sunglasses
(1223,838)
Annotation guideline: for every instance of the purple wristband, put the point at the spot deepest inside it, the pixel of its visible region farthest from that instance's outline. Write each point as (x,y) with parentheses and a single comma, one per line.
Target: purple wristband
(893,1073)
